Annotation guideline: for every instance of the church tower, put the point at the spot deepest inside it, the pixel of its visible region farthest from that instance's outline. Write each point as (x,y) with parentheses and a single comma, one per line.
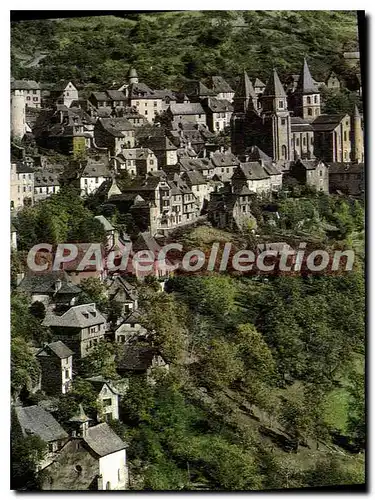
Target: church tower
(245,104)
(357,137)
(133,77)
(18,114)
(306,97)
(276,120)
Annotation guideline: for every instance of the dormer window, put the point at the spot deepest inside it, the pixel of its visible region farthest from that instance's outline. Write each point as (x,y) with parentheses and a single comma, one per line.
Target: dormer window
(281,104)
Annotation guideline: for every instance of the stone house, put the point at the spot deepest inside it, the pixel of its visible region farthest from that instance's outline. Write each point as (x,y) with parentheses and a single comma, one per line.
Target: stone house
(254,176)
(259,87)
(195,90)
(94,458)
(199,187)
(80,328)
(163,149)
(312,173)
(21,185)
(225,163)
(140,360)
(92,176)
(221,88)
(332,82)
(189,112)
(228,210)
(332,138)
(45,184)
(148,103)
(138,161)
(203,165)
(30,89)
(347,178)
(35,421)
(131,329)
(121,291)
(218,113)
(56,361)
(115,134)
(107,398)
(52,287)
(64,92)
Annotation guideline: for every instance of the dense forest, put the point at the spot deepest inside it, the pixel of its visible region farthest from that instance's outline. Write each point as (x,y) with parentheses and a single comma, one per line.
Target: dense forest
(167,48)
(266,387)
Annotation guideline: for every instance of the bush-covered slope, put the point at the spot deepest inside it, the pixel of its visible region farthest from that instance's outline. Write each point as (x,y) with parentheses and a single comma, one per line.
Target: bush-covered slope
(168,47)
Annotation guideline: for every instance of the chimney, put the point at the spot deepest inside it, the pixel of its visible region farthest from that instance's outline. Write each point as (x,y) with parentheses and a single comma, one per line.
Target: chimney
(221,149)
(74,434)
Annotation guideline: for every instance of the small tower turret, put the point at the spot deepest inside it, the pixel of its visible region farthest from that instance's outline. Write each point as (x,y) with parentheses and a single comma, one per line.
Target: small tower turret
(357,137)
(306,97)
(133,77)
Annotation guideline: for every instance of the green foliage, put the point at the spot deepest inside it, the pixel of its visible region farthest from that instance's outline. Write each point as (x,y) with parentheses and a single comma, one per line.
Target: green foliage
(95,291)
(203,44)
(357,409)
(82,393)
(100,361)
(339,101)
(61,218)
(221,365)
(25,369)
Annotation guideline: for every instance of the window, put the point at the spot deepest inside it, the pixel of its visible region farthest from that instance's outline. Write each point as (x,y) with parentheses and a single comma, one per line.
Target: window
(146,112)
(35,99)
(96,180)
(78,469)
(29,188)
(34,91)
(304,141)
(281,104)
(24,176)
(108,486)
(30,176)
(283,151)
(86,181)
(312,140)
(145,104)
(67,94)
(199,116)
(119,474)
(283,121)
(155,103)
(309,111)
(19,189)
(345,135)
(309,100)
(24,189)
(66,373)
(315,99)
(320,173)
(107,402)
(297,141)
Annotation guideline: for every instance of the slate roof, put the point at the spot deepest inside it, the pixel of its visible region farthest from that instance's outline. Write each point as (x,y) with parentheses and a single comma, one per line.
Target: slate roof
(136,358)
(100,96)
(274,87)
(61,85)
(255,153)
(271,169)
(23,168)
(298,124)
(196,164)
(58,348)
(159,143)
(219,105)
(254,171)
(24,85)
(196,88)
(81,316)
(259,83)
(327,123)
(105,222)
(219,85)
(35,420)
(189,108)
(46,179)
(98,382)
(103,440)
(141,91)
(309,164)
(45,284)
(120,124)
(194,177)
(306,84)
(245,88)
(95,170)
(116,95)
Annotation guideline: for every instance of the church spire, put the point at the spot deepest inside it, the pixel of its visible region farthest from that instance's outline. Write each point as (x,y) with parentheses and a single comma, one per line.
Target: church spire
(306,84)
(245,94)
(274,87)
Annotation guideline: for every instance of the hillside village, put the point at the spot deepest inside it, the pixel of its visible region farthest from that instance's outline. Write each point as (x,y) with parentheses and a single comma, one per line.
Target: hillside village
(166,160)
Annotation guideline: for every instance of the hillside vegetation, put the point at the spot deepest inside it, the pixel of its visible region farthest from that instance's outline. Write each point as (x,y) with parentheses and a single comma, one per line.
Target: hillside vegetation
(168,47)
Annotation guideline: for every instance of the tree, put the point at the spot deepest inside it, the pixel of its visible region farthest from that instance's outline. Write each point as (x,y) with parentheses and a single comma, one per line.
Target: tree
(357,409)
(25,369)
(221,365)
(94,290)
(100,361)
